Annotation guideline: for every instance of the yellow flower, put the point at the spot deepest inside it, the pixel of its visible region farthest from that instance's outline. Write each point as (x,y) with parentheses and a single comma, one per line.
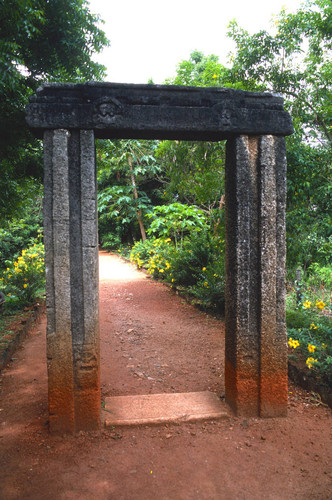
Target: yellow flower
(293,343)
(204,269)
(215,275)
(214,76)
(173,280)
(313,326)
(25,285)
(205,283)
(324,346)
(161,270)
(9,294)
(310,362)
(311,348)
(320,304)
(307,304)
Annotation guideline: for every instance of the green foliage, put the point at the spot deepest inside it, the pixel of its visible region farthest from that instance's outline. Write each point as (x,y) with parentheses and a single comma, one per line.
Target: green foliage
(210,288)
(39,41)
(193,172)
(296,319)
(176,221)
(295,60)
(158,264)
(309,323)
(197,266)
(116,203)
(127,172)
(200,71)
(141,253)
(311,335)
(314,288)
(21,232)
(24,278)
(319,278)
(111,241)
(192,258)
(309,222)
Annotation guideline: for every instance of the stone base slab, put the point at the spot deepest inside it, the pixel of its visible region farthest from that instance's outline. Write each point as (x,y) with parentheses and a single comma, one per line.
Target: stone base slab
(163,408)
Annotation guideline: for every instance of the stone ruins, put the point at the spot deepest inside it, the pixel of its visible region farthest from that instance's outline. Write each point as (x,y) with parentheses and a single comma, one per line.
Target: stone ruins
(68,117)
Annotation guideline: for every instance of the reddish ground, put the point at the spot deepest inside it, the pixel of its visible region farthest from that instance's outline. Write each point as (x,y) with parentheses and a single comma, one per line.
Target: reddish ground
(152,342)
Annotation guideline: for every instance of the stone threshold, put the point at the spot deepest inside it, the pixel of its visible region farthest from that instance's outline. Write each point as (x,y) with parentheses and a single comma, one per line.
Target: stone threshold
(163,408)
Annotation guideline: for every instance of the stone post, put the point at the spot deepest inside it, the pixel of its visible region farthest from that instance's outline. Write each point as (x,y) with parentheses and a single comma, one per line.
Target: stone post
(71,259)
(256,346)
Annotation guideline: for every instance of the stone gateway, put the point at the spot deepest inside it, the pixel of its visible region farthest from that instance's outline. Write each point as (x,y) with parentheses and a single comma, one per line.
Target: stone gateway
(68,117)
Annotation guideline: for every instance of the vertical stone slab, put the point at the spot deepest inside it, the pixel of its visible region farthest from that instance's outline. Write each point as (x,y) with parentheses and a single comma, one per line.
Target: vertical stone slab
(255,368)
(58,291)
(273,345)
(70,219)
(85,273)
(242,277)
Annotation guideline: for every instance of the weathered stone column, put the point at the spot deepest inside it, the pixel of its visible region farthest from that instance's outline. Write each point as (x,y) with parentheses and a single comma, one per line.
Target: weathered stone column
(256,349)
(70,232)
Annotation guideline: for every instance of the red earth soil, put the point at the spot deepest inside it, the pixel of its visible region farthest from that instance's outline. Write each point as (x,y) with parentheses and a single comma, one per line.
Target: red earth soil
(152,341)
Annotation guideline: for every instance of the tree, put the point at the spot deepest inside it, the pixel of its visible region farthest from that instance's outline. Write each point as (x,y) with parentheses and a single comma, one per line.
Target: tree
(295,61)
(194,171)
(39,41)
(200,71)
(128,186)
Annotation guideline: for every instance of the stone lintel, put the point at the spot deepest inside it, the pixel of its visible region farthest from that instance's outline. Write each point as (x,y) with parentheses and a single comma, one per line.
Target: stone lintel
(157,111)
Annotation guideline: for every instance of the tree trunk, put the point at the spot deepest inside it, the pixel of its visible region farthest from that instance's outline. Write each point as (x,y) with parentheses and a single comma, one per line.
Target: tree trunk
(138,211)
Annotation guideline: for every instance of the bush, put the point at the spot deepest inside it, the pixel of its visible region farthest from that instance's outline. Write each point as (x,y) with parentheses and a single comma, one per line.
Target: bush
(210,288)
(189,260)
(24,278)
(141,253)
(176,221)
(160,256)
(111,241)
(310,332)
(21,234)
(196,265)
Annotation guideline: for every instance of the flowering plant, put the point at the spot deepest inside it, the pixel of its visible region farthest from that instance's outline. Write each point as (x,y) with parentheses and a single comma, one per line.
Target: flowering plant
(24,278)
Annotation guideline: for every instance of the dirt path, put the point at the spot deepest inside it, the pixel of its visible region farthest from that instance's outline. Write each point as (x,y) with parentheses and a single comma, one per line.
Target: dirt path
(152,342)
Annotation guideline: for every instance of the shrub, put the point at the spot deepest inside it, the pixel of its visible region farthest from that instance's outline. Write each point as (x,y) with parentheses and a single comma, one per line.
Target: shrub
(197,265)
(21,234)
(188,261)
(24,278)
(141,253)
(176,221)
(111,241)
(210,288)
(310,332)
(160,256)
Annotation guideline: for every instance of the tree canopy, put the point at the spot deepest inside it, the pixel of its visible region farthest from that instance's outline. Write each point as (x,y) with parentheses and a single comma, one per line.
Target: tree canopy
(39,41)
(295,60)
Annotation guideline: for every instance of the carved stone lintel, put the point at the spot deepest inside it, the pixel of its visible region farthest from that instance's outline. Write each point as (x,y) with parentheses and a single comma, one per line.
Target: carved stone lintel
(157,111)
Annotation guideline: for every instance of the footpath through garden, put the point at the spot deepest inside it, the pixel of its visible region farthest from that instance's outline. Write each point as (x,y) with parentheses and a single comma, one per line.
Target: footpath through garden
(152,342)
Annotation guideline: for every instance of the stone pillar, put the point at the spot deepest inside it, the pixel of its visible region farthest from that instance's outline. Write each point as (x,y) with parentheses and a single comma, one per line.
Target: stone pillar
(256,344)
(71,258)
